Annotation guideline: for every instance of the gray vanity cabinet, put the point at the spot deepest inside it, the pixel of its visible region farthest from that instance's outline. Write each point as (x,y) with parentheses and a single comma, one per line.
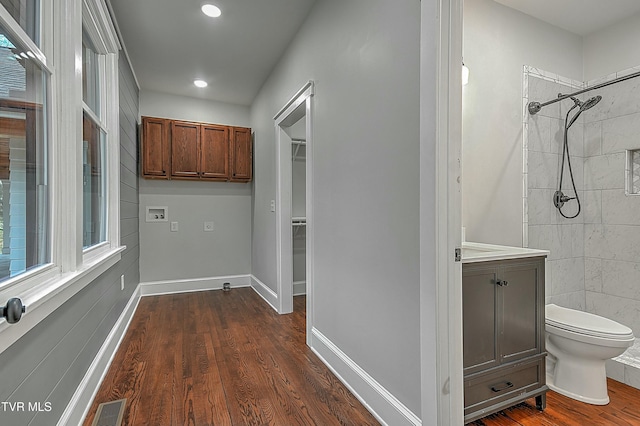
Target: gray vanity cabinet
(503,334)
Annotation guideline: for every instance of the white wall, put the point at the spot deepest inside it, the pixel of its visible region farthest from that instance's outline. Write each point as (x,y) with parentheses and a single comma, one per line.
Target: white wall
(498,42)
(364,59)
(612,49)
(191,252)
(155,104)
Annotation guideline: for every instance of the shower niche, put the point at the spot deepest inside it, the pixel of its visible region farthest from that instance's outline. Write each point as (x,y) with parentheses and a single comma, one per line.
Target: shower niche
(633,172)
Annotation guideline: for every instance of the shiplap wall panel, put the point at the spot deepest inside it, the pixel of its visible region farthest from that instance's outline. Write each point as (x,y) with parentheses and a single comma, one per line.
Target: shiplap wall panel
(48,363)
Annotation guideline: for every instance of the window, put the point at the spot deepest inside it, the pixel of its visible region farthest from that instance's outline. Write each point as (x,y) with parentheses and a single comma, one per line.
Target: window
(24,193)
(27,14)
(93,150)
(59,156)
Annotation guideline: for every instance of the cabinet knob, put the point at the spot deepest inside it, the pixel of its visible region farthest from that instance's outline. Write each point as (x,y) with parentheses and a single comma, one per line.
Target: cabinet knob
(502,283)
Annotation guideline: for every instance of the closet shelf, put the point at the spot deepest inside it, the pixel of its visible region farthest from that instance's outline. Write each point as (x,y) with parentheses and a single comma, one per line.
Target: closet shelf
(297,223)
(296,144)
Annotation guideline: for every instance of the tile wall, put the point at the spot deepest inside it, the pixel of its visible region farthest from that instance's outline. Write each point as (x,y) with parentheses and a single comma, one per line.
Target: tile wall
(544,227)
(612,218)
(594,263)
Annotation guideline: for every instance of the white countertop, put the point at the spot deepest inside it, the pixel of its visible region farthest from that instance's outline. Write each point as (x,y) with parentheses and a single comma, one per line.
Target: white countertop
(479,252)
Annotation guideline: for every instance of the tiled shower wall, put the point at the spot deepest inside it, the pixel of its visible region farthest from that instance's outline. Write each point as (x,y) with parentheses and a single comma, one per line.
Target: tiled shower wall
(594,263)
(612,218)
(544,227)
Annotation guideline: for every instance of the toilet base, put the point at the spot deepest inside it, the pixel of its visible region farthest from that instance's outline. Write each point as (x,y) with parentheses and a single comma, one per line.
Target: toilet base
(581,398)
(582,381)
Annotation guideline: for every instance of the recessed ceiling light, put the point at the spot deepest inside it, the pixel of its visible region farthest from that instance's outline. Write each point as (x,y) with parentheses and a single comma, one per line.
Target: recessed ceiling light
(211,10)
(200,83)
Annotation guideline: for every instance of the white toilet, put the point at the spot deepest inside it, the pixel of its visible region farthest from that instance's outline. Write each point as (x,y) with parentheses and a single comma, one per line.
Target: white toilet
(578,344)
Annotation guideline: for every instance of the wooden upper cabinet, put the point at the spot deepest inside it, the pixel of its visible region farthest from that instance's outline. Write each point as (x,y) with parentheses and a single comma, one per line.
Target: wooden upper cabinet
(214,154)
(241,155)
(156,147)
(185,149)
(173,149)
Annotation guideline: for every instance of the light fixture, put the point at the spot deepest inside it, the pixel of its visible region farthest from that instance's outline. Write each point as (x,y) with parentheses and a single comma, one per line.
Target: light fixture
(465,74)
(200,83)
(211,10)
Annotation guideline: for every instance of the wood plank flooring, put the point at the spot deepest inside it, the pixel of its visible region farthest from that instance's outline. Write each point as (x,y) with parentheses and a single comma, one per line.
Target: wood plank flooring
(223,358)
(623,410)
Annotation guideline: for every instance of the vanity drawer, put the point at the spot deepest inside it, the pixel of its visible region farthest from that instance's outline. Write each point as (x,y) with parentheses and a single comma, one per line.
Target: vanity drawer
(508,381)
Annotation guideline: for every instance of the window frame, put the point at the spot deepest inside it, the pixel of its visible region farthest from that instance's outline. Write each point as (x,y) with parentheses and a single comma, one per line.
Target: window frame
(99,28)
(47,287)
(49,270)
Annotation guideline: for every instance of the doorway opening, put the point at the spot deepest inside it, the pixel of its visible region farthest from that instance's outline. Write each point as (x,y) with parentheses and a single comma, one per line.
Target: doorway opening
(294,148)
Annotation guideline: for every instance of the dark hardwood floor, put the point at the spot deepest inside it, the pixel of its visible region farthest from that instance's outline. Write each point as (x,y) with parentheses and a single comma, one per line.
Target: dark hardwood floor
(223,358)
(623,410)
(227,358)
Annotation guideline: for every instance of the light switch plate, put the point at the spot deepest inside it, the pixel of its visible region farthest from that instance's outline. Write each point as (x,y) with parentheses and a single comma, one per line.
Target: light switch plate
(208,226)
(174,226)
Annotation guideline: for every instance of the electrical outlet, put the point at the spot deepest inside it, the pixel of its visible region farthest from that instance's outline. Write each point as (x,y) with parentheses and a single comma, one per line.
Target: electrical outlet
(208,226)
(121,282)
(273,205)
(174,226)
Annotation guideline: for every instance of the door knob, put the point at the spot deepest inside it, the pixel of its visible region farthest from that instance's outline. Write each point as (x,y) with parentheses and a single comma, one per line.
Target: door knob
(13,310)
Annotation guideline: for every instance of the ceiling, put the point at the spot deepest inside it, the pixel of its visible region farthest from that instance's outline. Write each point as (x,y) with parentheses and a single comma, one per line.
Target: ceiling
(580,17)
(171,43)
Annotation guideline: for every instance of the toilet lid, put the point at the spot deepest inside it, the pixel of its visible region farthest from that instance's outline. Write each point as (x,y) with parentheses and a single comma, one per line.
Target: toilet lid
(584,322)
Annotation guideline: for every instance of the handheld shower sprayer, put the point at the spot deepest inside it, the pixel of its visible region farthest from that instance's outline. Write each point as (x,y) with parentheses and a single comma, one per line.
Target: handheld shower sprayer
(559,198)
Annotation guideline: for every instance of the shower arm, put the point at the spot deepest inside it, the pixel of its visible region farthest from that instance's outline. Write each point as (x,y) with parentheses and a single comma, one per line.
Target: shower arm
(535,107)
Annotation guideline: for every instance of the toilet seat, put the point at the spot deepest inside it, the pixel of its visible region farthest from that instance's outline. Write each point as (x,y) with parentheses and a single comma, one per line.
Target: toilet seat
(591,327)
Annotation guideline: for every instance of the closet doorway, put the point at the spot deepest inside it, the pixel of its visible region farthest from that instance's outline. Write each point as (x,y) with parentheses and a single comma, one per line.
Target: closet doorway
(293,200)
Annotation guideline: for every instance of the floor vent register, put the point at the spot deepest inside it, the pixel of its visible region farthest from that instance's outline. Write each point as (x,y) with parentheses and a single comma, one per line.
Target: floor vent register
(110,413)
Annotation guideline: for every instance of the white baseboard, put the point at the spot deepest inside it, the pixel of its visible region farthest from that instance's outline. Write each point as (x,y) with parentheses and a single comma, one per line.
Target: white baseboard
(156,288)
(299,288)
(386,408)
(265,292)
(82,398)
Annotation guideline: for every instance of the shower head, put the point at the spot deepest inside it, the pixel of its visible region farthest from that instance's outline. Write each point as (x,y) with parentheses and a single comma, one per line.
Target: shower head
(589,103)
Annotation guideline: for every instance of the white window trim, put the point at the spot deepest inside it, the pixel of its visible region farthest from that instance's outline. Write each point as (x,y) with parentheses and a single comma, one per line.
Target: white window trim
(48,287)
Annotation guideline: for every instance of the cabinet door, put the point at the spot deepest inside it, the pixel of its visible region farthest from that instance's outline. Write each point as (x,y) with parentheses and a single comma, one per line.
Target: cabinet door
(214,154)
(156,149)
(185,149)
(241,154)
(522,301)
(479,315)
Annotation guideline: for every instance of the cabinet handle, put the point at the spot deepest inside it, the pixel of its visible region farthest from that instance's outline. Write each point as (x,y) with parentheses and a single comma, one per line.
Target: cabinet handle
(502,283)
(507,385)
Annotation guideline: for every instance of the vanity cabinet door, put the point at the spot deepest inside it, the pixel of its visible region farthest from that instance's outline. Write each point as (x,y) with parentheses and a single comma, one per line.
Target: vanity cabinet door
(480,310)
(522,305)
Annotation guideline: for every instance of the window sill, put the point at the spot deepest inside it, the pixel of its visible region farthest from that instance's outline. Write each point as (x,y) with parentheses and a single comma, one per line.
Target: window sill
(44,298)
